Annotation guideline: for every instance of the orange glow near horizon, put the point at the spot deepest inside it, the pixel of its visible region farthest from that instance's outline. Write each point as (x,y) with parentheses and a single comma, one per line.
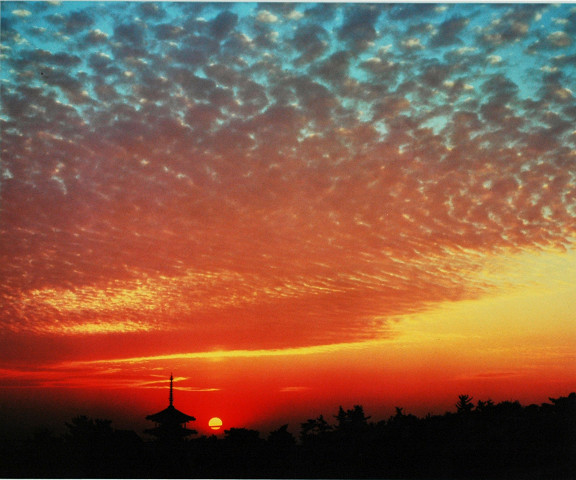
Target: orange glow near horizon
(432,356)
(501,346)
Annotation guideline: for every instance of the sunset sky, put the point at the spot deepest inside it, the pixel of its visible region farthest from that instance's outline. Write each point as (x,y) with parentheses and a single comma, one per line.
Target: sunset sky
(290,207)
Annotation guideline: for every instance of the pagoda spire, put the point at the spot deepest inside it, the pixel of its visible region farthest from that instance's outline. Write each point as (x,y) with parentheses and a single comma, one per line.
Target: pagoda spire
(170,422)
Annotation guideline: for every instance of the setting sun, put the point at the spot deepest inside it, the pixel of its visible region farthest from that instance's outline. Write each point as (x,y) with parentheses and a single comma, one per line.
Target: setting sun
(215,423)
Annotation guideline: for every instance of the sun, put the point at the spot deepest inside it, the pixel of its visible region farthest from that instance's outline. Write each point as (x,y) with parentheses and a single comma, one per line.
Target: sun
(215,423)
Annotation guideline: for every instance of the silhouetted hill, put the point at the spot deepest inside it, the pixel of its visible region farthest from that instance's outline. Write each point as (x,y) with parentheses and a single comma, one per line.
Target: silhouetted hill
(478,441)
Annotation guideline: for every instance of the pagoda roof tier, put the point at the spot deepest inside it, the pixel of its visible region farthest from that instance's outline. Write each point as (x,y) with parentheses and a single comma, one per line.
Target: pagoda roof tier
(170,415)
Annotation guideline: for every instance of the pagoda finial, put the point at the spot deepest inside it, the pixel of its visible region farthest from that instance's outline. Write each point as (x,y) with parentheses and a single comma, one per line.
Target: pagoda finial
(171,395)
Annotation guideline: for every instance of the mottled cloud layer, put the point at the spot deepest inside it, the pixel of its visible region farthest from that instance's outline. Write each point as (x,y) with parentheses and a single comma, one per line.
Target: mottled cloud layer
(272,175)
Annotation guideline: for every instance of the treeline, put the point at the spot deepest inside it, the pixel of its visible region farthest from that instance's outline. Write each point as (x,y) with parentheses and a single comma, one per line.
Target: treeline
(477,440)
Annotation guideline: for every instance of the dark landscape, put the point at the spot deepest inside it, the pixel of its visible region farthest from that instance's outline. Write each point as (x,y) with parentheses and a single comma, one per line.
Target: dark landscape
(477,440)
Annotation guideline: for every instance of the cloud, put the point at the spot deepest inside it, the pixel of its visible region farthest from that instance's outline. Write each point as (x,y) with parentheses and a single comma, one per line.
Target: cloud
(294,389)
(294,15)
(559,39)
(72,22)
(166,31)
(152,10)
(265,16)
(511,27)
(335,68)
(492,376)
(40,57)
(315,350)
(223,24)
(292,183)
(358,28)
(131,33)
(66,376)
(403,12)
(96,36)
(500,87)
(435,74)
(448,31)
(21,13)
(412,43)
(311,41)
(390,107)
(383,69)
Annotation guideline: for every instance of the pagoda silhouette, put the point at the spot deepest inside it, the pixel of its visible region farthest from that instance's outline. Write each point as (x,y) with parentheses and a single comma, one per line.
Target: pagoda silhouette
(170,422)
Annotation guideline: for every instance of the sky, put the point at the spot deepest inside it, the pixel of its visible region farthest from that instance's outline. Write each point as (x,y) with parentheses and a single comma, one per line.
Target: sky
(288,206)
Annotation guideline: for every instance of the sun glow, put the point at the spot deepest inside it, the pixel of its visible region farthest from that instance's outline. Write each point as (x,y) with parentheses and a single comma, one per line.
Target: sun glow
(215,423)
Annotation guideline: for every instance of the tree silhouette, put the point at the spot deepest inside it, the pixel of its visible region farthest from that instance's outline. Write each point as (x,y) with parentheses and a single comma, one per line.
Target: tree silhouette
(490,441)
(402,419)
(464,404)
(351,419)
(244,451)
(314,427)
(84,430)
(94,447)
(242,436)
(281,438)
(483,407)
(280,453)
